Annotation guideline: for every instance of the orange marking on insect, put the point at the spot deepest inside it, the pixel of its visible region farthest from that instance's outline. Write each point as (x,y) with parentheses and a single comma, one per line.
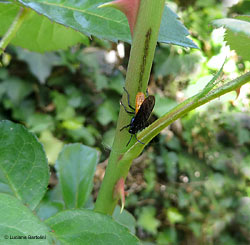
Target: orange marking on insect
(140,97)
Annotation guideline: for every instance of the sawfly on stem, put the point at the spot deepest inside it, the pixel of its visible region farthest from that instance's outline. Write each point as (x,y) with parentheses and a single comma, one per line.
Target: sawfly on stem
(141,113)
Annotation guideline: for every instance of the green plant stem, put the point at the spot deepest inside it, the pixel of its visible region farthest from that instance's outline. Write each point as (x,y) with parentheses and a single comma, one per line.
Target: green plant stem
(155,128)
(10,34)
(138,72)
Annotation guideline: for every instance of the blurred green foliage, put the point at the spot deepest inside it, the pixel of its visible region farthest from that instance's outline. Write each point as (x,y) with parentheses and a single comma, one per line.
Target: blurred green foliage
(194,187)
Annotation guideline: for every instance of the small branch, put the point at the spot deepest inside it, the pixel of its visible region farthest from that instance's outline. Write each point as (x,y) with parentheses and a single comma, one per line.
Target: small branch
(156,127)
(13,29)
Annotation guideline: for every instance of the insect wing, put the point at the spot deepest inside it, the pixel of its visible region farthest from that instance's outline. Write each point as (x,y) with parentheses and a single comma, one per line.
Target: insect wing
(145,110)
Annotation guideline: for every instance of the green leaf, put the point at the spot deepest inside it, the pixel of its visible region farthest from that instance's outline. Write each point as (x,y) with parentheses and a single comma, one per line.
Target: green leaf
(107,112)
(101,81)
(73,124)
(172,31)
(23,163)
(148,221)
(174,216)
(106,23)
(89,228)
(24,110)
(178,66)
(108,138)
(150,178)
(237,34)
(63,110)
(83,134)
(125,218)
(39,122)
(116,83)
(17,220)
(76,167)
(47,208)
(40,64)
(3,73)
(237,25)
(37,33)
(167,237)
(170,160)
(16,89)
(94,68)
(196,228)
(174,144)
(52,145)
(75,98)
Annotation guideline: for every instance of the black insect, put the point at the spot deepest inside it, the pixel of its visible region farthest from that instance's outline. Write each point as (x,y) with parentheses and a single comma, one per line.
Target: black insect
(144,107)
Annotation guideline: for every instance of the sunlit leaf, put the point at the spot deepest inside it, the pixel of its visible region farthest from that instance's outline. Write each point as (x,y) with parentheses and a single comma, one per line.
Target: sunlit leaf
(107,23)
(237,34)
(174,215)
(148,221)
(52,145)
(38,33)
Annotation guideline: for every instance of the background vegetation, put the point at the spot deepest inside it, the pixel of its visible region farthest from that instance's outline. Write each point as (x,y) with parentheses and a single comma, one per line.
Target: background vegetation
(191,185)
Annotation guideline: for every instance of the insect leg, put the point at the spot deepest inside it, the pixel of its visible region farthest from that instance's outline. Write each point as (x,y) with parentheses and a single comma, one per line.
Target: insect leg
(128,99)
(139,140)
(129,139)
(125,127)
(129,112)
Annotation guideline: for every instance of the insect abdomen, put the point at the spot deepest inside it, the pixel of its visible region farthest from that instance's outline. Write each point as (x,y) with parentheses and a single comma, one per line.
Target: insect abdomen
(140,97)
